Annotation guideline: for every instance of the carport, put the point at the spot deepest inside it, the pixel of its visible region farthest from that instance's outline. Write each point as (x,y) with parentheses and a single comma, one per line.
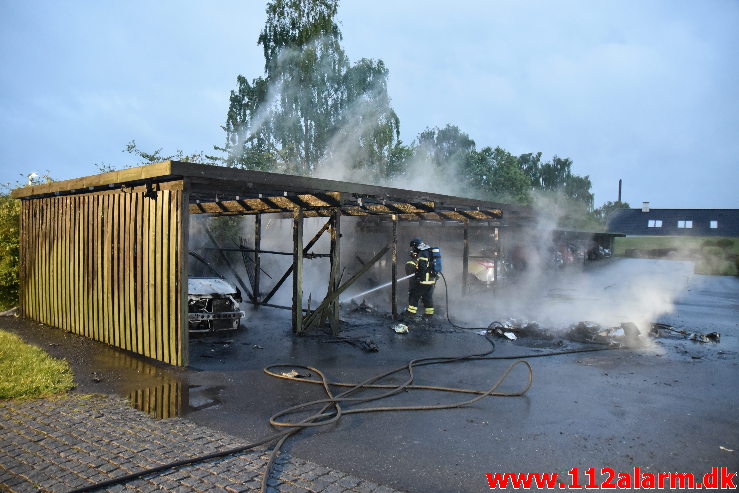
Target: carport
(106,256)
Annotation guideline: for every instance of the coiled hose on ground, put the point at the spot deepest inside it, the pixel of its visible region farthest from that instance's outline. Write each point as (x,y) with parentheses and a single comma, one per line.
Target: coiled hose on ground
(331,408)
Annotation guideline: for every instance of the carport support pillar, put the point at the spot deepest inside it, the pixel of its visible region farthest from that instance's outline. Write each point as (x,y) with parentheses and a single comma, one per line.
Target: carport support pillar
(466,258)
(257,258)
(297,307)
(496,251)
(335,270)
(394,279)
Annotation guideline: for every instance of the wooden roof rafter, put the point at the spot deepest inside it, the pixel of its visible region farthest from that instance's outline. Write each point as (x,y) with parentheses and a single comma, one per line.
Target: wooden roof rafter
(229,191)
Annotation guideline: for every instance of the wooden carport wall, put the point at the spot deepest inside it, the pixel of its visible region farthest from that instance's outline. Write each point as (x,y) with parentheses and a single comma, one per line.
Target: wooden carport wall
(105,256)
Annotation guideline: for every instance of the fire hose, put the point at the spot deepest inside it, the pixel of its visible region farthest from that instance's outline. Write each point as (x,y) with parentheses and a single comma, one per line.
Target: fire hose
(331,408)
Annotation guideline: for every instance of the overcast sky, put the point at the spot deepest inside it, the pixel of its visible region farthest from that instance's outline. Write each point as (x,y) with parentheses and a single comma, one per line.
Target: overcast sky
(646,91)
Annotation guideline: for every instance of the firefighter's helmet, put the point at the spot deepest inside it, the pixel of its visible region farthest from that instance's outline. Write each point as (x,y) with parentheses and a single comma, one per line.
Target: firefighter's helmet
(415,242)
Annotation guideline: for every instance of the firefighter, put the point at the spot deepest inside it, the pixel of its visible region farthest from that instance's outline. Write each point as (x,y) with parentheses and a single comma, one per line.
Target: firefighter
(421,286)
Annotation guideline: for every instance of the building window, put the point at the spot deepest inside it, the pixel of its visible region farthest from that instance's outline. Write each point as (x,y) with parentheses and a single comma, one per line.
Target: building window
(655,223)
(714,224)
(685,224)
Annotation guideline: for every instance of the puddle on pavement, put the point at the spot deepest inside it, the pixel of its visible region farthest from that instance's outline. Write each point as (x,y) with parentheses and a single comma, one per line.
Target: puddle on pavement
(170,400)
(159,391)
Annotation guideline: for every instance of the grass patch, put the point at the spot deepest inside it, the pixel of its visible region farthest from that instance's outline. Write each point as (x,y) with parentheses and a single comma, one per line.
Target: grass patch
(712,255)
(679,242)
(27,371)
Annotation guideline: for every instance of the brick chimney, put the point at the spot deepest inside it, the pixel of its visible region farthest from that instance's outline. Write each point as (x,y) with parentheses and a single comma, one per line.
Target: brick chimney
(645,207)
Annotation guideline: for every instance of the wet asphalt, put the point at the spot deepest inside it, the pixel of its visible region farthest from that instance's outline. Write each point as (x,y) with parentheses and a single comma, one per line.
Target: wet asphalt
(671,406)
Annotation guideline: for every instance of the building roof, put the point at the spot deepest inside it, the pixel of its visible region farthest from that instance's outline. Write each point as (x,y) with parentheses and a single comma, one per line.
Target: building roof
(675,222)
(229,191)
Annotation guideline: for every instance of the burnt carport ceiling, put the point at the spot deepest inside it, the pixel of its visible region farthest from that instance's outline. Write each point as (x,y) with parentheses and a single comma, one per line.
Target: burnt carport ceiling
(228,191)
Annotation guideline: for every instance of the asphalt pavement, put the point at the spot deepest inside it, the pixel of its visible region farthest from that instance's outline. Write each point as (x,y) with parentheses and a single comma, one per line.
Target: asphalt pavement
(669,405)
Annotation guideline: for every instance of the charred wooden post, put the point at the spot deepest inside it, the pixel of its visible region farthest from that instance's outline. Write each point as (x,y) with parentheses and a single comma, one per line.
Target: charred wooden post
(394,279)
(183,225)
(297,319)
(497,253)
(290,269)
(466,258)
(311,319)
(257,258)
(333,283)
(229,266)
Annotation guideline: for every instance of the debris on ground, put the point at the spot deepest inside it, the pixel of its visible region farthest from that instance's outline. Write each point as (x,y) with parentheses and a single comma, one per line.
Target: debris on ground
(658,328)
(13,312)
(294,374)
(362,307)
(513,328)
(367,345)
(400,328)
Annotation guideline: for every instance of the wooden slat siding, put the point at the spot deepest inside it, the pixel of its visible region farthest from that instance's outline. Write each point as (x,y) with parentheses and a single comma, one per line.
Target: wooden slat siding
(173,294)
(113,260)
(130,269)
(54,288)
(110,267)
(165,293)
(38,255)
(110,260)
(120,265)
(29,309)
(152,287)
(95,243)
(46,239)
(183,218)
(82,289)
(139,268)
(105,265)
(130,305)
(120,331)
(97,274)
(42,262)
(145,275)
(34,254)
(39,264)
(77,278)
(48,265)
(50,294)
(89,264)
(99,219)
(159,283)
(63,292)
(26,286)
(57,261)
(70,265)
(50,238)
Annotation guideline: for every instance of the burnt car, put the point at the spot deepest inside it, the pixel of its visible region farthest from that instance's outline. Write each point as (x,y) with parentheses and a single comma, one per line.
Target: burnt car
(213,305)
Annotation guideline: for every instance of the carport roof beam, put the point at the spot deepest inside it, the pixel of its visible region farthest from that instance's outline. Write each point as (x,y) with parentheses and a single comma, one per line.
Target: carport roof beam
(223,191)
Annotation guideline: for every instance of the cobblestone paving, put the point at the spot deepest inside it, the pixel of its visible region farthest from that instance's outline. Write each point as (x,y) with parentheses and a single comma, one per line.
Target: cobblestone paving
(64,443)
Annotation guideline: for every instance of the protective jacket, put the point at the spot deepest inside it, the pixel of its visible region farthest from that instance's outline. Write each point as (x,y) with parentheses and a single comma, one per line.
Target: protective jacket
(421,267)
(422,283)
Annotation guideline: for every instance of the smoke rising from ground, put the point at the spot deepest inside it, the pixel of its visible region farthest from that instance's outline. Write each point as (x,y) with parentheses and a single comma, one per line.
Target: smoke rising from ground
(535,286)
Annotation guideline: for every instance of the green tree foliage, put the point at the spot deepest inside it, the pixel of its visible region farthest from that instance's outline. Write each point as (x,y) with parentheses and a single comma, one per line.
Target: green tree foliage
(10,209)
(156,156)
(312,105)
(497,175)
(601,213)
(9,250)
